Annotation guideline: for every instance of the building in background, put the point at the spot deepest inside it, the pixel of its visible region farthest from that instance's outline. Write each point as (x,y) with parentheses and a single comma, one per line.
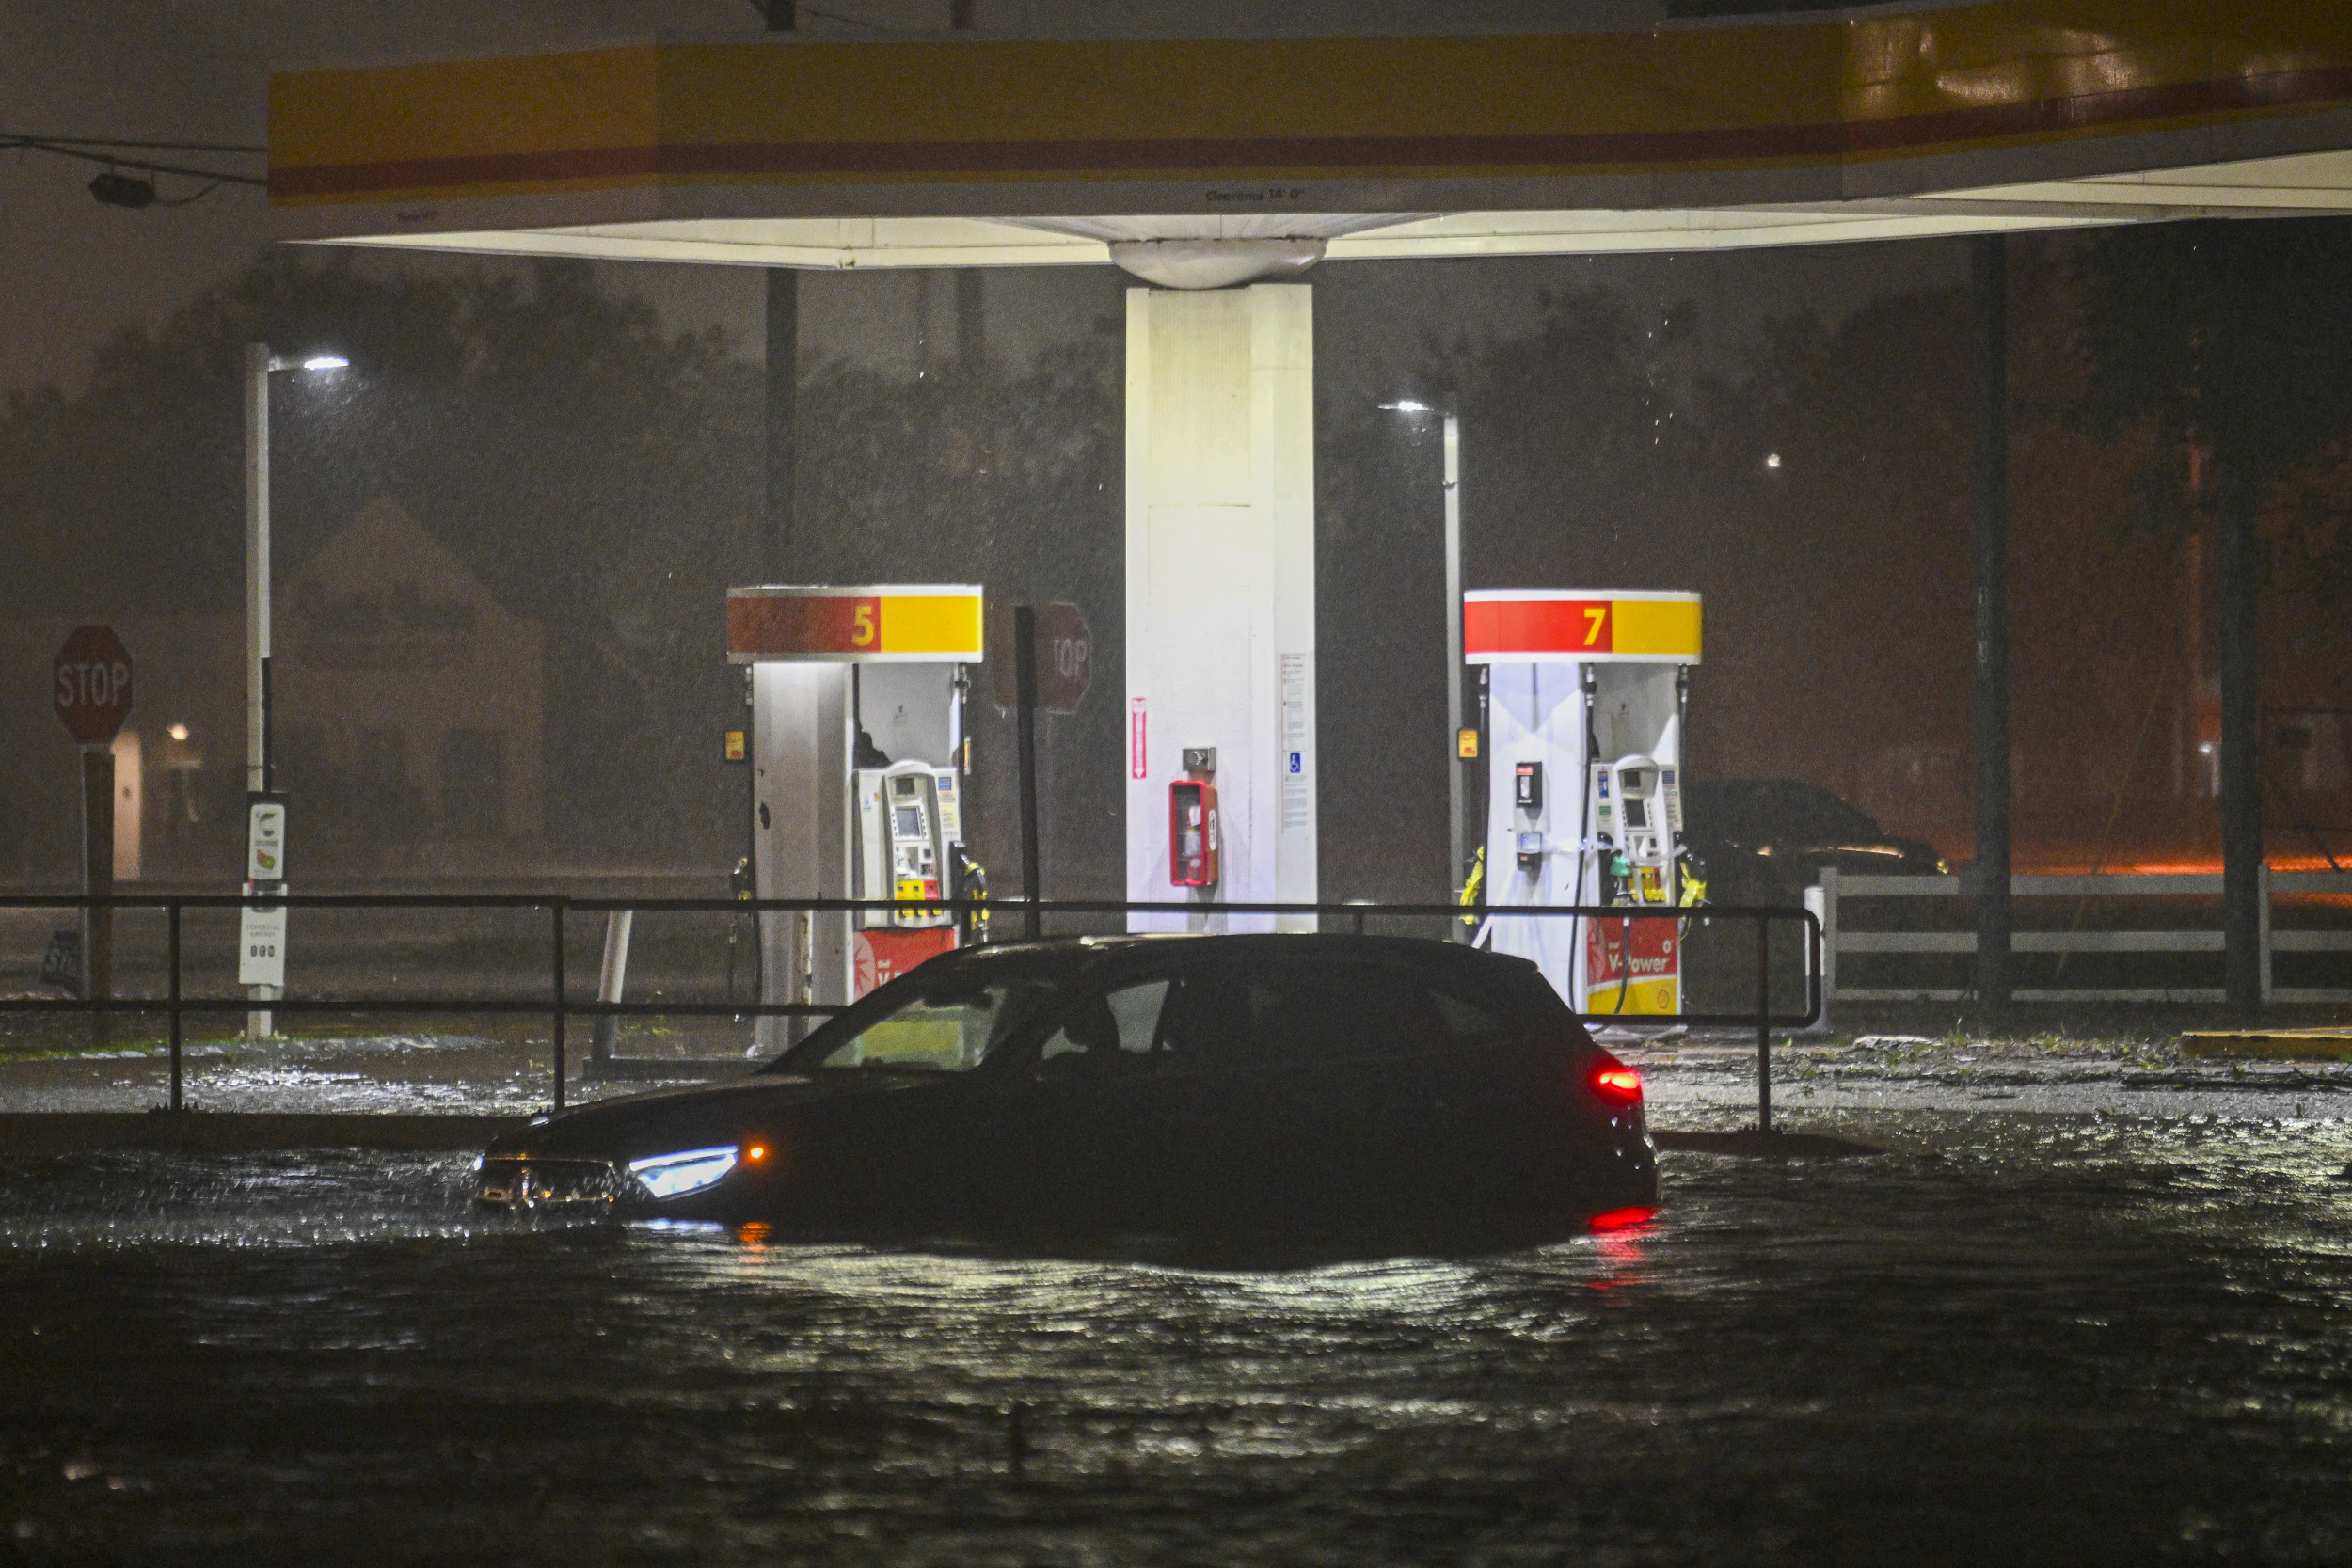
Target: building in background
(411,710)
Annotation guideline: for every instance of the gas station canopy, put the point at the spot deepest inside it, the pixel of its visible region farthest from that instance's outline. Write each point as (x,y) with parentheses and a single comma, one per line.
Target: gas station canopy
(1877,122)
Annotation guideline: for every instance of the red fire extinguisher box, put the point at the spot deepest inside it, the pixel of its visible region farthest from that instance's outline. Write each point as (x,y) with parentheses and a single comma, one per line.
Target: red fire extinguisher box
(1192,834)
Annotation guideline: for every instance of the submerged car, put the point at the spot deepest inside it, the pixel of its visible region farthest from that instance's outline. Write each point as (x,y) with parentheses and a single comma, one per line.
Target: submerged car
(1138,1086)
(1765,841)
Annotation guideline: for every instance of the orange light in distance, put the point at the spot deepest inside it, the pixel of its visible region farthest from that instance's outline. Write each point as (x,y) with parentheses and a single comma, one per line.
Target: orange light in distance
(757,1151)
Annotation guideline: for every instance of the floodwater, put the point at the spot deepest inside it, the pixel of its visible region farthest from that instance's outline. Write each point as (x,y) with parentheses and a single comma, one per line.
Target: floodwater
(2076,1339)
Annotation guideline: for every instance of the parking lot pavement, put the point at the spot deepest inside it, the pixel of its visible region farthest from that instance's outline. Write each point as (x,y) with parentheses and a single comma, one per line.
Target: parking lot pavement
(1709,1076)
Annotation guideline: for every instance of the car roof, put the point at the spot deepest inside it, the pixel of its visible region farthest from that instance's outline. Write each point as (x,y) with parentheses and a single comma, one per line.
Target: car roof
(1763,808)
(1089,953)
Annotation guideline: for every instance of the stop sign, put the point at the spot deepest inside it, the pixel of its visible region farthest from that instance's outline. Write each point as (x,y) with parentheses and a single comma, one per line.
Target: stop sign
(1065,657)
(91,684)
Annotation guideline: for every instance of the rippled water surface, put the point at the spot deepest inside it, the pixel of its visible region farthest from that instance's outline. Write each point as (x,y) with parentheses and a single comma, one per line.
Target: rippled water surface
(2042,1339)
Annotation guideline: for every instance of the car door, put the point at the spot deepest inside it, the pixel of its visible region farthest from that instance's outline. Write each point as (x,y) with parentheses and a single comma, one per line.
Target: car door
(1093,1091)
(1469,1100)
(1292,1112)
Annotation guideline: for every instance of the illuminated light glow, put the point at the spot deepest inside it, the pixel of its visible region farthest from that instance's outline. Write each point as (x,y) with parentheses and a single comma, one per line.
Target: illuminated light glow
(177,732)
(325,362)
(689,1170)
(1621,1219)
(1772,460)
(1613,1080)
(1408,406)
(757,1151)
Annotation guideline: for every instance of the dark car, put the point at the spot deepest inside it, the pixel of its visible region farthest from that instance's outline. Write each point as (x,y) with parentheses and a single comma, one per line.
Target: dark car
(1765,841)
(1138,1086)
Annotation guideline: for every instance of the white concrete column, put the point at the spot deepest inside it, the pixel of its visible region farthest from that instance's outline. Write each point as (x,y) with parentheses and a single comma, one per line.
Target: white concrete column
(1535,713)
(1221,588)
(801,808)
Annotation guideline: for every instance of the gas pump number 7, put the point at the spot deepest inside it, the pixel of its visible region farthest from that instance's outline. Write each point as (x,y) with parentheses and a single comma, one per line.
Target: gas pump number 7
(1596,621)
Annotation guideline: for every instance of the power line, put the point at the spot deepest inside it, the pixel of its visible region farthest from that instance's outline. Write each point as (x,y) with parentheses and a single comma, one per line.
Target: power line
(153,146)
(64,150)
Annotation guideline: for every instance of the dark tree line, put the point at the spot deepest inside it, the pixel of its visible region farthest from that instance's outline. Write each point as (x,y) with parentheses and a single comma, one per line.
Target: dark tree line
(603,477)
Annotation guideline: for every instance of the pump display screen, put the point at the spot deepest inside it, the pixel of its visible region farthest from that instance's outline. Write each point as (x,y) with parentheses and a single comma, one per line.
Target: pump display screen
(910,822)
(1636,811)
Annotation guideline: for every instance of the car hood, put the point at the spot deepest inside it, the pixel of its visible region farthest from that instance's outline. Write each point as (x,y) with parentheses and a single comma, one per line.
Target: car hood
(1892,854)
(670,1120)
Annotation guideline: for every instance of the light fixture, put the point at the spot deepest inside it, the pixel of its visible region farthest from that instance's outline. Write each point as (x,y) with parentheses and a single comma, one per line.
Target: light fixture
(123,190)
(1772,460)
(325,362)
(1407,406)
(177,732)
(688,1171)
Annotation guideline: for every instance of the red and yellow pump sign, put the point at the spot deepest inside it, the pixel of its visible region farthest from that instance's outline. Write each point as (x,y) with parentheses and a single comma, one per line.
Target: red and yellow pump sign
(930,624)
(1575,625)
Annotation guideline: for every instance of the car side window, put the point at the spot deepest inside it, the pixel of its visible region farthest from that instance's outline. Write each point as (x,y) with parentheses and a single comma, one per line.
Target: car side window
(1294,1013)
(1466,1022)
(1116,1028)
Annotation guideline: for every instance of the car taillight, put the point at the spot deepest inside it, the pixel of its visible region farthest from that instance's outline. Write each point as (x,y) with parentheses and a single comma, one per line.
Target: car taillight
(1621,1219)
(1612,1079)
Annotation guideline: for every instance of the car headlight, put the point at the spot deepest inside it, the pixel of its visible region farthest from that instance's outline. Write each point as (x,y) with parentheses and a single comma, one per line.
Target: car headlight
(690,1170)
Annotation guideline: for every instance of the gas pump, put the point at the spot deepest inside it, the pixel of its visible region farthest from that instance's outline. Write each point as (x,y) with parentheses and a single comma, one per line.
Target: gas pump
(1635,807)
(909,827)
(859,776)
(1585,695)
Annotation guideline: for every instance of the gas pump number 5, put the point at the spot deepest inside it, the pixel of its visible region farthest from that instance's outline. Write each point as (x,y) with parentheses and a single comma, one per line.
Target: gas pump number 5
(862,624)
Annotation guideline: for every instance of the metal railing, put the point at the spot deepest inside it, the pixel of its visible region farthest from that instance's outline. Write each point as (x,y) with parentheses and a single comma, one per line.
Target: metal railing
(559,1005)
(1840,938)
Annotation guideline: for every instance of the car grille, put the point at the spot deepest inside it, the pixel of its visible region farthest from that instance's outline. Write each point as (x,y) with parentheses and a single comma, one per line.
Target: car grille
(521,1182)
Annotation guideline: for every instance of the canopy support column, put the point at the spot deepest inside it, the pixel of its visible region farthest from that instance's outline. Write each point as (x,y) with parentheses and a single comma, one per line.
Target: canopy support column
(1988,496)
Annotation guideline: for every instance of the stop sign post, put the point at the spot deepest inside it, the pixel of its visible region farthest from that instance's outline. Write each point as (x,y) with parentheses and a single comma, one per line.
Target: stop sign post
(90,684)
(1046,661)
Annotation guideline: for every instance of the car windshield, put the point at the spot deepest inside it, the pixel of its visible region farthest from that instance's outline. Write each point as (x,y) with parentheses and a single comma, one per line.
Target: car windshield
(947,1028)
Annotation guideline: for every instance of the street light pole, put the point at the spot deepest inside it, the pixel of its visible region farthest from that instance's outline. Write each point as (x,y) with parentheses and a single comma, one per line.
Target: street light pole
(258,364)
(1454,660)
(1452,438)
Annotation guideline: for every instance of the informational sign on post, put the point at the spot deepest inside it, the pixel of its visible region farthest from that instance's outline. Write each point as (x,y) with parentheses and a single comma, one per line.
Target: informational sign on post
(262,928)
(262,944)
(264,838)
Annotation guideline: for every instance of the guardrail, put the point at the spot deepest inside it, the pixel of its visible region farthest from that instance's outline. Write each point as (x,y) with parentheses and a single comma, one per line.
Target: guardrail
(1839,938)
(559,1005)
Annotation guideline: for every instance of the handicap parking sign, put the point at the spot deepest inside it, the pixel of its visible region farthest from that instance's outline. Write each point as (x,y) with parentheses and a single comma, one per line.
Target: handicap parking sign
(1295,763)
